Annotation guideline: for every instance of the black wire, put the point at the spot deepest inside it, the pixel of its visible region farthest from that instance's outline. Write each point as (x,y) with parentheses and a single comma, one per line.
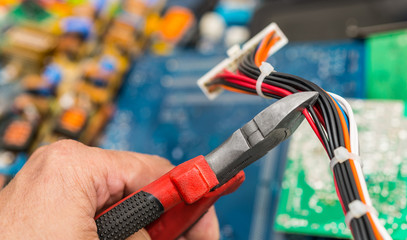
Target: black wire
(348,169)
(341,187)
(334,137)
(362,227)
(321,131)
(249,68)
(369,227)
(355,229)
(313,114)
(327,105)
(311,110)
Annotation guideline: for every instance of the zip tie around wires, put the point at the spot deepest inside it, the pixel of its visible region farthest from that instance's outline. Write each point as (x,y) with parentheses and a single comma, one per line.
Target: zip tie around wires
(341,155)
(265,69)
(356,210)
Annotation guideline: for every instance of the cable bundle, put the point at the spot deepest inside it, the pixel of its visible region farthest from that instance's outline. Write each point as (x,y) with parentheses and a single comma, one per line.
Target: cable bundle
(332,120)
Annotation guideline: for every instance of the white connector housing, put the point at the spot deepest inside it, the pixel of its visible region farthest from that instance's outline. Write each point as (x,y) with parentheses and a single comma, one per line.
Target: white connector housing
(237,54)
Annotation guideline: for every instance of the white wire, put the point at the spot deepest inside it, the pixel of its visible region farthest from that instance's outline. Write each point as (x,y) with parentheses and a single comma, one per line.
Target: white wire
(380,227)
(354,142)
(353,130)
(354,138)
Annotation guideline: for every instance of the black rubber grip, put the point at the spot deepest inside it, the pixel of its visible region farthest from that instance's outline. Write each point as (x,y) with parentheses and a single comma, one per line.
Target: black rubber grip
(129,216)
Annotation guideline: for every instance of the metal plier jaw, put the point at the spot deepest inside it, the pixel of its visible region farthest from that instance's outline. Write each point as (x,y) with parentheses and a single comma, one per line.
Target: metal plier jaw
(261,134)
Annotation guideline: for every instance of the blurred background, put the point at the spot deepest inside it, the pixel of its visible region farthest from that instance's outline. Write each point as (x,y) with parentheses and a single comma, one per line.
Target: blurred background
(121,74)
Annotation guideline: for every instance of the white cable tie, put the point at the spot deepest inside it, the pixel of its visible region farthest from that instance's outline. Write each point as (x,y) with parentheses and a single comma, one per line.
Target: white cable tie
(341,155)
(357,209)
(265,69)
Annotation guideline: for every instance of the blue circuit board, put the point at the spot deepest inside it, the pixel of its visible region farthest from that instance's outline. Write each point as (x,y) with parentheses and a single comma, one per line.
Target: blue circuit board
(162,111)
(337,67)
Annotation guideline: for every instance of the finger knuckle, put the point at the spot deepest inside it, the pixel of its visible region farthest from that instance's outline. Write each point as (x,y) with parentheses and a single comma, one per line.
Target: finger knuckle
(39,152)
(62,151)
(161,160)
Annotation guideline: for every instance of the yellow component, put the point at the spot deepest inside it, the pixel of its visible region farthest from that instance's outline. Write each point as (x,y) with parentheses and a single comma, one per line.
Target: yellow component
(161,48)
(123,62)
(71,71)
(32,81)
(28,44)
(92,69)
(97,95)
(9,2)
(121,34)
(31,39)
(60,9)
(152,24)
(175,23)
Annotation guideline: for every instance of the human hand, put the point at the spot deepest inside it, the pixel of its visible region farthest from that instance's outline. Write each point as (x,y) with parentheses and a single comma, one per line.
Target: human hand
(61,188)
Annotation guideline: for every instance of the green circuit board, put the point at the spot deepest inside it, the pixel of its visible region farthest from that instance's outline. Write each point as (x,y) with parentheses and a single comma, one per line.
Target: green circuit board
(309,204)
(386,69)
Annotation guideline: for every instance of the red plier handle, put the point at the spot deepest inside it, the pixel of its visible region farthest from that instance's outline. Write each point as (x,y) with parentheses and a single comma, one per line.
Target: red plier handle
(168,206)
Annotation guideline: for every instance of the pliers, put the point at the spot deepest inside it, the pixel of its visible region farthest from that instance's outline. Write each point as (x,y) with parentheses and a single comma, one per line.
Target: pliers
(170,205)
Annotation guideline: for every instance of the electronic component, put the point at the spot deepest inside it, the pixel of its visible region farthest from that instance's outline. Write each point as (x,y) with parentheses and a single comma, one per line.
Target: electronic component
(175,24)
(87,48)
(237,54)
(17,135)
(72,122)
(176,21)
(28,44)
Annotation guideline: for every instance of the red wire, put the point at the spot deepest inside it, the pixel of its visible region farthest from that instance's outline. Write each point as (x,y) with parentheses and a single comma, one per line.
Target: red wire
(244,78)
(313,126)
(248,85)
(319,115)
(251,83)
(227,75)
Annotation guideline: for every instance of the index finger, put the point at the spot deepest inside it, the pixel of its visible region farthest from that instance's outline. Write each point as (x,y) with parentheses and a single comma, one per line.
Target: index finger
(127,172)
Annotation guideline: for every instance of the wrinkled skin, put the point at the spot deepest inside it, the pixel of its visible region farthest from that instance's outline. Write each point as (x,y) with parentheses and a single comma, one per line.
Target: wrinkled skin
(64,185)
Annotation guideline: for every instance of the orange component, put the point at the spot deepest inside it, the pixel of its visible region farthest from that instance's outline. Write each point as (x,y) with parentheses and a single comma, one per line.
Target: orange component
(17,133)
(73,119)
(58,8)
(175,23)
(9,3)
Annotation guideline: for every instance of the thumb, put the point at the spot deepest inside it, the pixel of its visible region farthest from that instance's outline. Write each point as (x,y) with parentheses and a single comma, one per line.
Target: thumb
(142,234)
